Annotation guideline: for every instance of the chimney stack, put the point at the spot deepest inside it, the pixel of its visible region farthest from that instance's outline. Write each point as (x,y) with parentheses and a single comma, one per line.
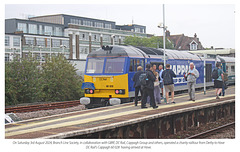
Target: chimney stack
(195,35)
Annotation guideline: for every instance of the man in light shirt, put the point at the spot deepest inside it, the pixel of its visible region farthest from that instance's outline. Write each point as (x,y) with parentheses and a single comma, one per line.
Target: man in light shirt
(192,76)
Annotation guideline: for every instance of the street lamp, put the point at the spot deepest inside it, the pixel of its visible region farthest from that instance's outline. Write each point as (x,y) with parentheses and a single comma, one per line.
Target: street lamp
(164,47)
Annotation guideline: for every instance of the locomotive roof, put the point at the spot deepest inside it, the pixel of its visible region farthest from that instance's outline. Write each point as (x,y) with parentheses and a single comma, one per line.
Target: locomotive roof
(144,52)
(226,59)
(117,51)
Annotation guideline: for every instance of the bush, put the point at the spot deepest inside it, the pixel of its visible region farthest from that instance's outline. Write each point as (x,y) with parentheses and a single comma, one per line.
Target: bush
(27,81)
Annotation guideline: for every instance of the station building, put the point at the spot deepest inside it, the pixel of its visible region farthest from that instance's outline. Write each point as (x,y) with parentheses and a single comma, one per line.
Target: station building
(74,36)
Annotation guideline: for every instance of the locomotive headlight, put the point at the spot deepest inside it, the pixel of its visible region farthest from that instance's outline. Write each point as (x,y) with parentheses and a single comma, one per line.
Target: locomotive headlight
(120,91)
(89,91)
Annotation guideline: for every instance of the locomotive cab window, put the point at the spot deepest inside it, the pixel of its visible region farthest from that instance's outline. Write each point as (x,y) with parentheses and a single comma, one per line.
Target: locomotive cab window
(95,65)
(134,63)
(114,65)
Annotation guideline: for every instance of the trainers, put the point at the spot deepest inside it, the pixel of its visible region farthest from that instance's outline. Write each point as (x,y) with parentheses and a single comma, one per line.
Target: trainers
(217,97)
(144,107)
(155,107)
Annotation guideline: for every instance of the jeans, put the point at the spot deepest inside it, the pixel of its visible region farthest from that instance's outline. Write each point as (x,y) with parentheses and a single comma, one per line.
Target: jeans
(191,89)
(137,89)
(148,92)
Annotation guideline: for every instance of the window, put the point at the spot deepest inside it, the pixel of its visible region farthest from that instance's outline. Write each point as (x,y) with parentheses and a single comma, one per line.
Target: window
(134,63)
(131,68)
(29,40)
(98,24)
(87,23)
(96,37)
(58,31)
(137,30)
(108,26)
(226,68)
(32,28)
(16,41)
(48,42)
(7,41)
(84,49)
(40,29)
(40,42)
(116,39)
(55,43)
(48,30)
(66,43)
(114,65)
(107,38)
(193,45)
(6,57)
(122,39)
(95,65)
(84,36)
(233,68)
(22,27)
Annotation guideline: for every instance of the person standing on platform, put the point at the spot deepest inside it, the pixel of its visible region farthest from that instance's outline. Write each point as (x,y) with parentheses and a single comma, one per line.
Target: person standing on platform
(167,76)
(157,95)
(160,78)
(147,83)
(192,76)
(137,84)
(218,82)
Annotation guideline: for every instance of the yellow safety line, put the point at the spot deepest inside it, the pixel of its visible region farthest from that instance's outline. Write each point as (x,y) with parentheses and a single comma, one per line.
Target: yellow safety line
(31,124)
(87,120)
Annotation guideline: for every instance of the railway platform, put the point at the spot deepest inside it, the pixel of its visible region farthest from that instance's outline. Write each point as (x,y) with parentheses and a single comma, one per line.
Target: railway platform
(127,120)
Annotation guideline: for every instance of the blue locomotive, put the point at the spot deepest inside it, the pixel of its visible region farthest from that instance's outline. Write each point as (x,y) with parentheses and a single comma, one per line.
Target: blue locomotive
(109,71)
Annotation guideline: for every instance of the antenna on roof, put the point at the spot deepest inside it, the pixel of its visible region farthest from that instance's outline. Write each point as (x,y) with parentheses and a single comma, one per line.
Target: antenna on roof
(132,20)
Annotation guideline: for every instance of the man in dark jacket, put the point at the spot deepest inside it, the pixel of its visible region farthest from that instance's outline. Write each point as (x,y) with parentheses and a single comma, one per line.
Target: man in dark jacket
(137,84)
(167,76)
(148,89)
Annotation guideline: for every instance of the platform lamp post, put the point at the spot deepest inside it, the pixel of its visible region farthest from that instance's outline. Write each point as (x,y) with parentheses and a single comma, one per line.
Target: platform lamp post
(164,46)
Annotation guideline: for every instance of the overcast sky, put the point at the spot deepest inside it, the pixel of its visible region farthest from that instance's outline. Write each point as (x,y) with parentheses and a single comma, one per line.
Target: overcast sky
(213,24)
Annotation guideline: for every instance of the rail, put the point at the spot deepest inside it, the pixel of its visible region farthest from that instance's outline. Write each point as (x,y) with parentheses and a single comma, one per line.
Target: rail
(211,131)
(47,106)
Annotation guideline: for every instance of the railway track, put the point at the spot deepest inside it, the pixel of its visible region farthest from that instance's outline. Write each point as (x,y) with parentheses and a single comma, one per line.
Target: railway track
(47,106)
(210,132)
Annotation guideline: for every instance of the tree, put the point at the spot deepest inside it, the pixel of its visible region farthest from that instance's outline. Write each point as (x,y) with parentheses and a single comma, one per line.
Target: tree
(22,81)
(153,42)
(61,80)
(56,80)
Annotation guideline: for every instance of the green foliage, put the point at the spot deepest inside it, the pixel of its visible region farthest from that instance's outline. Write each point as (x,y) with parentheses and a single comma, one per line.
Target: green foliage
(153,42)
(26,81)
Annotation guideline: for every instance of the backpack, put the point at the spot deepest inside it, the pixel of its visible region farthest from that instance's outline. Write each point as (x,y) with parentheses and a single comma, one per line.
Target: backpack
(215,74)
(143,79)
(167,79)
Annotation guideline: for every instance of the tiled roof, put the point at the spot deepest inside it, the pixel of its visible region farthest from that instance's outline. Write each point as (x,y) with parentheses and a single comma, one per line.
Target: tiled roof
(182,42)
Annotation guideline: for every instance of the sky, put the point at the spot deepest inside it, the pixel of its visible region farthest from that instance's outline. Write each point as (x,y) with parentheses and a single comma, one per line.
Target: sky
(214,24)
